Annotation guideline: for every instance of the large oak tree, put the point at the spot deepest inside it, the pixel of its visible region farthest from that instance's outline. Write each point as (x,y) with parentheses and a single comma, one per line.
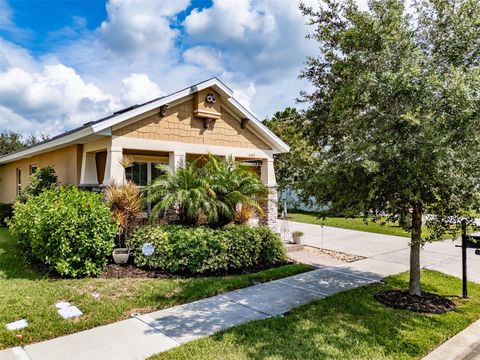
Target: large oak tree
(396,111)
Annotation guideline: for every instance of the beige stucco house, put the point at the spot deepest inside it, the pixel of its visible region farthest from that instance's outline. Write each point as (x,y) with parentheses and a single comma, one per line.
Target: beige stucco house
(202,119)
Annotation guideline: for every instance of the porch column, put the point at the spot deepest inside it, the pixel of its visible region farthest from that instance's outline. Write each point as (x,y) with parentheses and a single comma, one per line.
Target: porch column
(114,171)
(176,160)
(88,175)
(271,207)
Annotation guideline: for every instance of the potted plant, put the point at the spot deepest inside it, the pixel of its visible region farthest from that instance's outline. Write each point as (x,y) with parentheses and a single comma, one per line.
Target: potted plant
(297,237)
(125,202)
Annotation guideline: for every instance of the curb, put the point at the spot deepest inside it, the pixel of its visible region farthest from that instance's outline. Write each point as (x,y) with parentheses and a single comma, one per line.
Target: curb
(462,346)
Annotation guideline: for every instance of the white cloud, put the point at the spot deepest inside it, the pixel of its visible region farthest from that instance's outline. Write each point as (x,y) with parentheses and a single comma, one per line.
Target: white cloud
(57,92)
(243,94)
(140,52)
(205,57)
(138,88)
(227,20)
(262,40)
(141,27)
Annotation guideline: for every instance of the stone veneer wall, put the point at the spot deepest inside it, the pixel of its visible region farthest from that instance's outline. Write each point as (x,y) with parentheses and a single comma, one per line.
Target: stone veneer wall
(271,210)
(179,124)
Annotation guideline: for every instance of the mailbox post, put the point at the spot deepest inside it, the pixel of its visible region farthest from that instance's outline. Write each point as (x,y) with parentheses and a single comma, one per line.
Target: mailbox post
(468,241)
(464,260)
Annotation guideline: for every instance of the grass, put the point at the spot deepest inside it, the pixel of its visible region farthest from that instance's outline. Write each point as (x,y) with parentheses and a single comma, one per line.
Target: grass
(348,325)
(27,294)
(379,227)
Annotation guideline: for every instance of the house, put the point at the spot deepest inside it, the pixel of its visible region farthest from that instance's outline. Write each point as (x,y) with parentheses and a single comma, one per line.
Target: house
(202,119)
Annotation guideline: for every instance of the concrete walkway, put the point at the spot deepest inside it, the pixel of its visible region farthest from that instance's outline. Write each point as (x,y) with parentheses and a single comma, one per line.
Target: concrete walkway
(145,335)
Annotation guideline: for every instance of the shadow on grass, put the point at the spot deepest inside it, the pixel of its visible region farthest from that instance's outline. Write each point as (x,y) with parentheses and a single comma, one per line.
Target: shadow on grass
(348,325)
(12,262)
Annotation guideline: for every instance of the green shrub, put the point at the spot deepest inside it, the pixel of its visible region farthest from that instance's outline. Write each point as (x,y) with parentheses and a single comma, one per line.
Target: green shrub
(6,211)
(43,179)
(203,250)
(68,230)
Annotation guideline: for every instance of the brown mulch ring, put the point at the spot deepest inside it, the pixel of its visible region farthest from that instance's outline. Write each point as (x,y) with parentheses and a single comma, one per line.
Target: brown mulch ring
(114,271)
(130,271)
(426,303)
(341,256)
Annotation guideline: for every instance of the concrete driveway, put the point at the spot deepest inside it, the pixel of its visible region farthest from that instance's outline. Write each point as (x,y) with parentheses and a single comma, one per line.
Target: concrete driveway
(388,254)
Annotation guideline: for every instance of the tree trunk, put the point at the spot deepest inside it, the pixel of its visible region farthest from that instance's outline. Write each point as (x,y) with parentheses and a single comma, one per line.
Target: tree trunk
(416,238)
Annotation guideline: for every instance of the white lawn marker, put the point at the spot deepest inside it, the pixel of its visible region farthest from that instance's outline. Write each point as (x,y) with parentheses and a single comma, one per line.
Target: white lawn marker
(67,310)
(17,325)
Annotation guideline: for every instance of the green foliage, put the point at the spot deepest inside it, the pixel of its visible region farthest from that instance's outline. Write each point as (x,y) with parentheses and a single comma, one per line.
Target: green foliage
(11,141)
(395,112)
(185,189)
(6,211)
(43,179)
(211,193)
(67,230)
(396,108)
(292,168)
(203,250)
(233,187)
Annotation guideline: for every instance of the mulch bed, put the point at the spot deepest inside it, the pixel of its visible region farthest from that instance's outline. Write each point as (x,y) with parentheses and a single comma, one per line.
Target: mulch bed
(114,271)
(130,271)
(426,303)
(341,256)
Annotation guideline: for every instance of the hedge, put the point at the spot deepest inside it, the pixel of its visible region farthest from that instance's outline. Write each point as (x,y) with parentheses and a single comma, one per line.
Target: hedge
(201,250)
(69,231)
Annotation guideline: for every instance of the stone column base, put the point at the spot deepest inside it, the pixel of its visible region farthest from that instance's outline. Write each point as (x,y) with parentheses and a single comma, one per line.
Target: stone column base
(270,210)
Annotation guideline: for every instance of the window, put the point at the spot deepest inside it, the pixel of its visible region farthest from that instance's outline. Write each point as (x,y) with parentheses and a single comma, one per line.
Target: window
(143,173)
(154,171)
(138,173)
(19,181)
(33,169)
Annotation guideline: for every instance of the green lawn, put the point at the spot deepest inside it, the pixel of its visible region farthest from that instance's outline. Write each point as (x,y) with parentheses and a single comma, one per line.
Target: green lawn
(349,325)
(380,227)
(27,294)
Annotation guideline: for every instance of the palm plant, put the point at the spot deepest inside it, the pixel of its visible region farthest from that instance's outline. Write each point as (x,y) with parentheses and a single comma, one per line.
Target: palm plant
(187,190)
(125,202)
(239,192)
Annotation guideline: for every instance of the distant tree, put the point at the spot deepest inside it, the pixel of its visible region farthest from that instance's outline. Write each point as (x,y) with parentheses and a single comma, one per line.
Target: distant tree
(11,141)
(292,168)
(395,111)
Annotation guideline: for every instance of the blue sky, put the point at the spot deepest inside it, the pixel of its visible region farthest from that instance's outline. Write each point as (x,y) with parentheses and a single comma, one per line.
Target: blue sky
(63,63)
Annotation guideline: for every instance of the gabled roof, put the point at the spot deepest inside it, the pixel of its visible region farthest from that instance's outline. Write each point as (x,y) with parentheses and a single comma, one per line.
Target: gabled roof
(103,126)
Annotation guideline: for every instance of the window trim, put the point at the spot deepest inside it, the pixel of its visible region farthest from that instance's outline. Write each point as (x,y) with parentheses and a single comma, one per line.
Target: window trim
(149,170)
(18,178)
(31,167)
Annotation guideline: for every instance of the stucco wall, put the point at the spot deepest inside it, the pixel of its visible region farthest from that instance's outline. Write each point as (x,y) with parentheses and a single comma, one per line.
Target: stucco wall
(66,162)
(179,124)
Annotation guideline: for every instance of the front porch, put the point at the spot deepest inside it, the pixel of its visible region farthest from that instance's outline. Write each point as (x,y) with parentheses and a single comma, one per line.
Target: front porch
(103,163)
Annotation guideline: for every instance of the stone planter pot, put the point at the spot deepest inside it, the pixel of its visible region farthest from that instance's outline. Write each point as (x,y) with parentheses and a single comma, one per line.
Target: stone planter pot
(297,239)
(121,255)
